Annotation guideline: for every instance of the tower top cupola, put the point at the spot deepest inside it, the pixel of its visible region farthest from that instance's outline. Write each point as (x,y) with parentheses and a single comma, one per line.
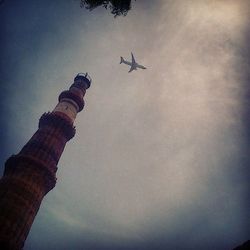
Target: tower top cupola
(82,80)
(74,96)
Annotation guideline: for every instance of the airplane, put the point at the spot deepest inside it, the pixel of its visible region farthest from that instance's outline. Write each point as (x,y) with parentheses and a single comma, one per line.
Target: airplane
(134,65)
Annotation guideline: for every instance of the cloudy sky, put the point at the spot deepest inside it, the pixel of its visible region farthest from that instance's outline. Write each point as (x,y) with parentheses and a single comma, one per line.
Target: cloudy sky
(160,158)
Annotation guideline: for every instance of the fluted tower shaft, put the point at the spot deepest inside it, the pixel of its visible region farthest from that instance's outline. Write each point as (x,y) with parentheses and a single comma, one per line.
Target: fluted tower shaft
(31,174)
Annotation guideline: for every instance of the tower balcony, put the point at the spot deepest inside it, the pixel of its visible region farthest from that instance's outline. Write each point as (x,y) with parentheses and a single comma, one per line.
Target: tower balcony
(82,80)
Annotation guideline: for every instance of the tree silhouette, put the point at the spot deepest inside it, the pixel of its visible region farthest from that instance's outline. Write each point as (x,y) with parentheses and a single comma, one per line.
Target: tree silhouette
(117,7)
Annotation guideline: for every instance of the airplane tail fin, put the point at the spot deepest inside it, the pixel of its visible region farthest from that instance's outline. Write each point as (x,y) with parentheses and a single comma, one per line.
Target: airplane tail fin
(122,60)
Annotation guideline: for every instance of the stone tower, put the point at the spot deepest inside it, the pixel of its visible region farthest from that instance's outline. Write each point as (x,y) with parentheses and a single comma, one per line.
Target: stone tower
(31,174)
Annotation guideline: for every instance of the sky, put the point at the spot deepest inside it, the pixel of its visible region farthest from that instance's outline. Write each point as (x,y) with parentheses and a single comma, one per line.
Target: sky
(160,159)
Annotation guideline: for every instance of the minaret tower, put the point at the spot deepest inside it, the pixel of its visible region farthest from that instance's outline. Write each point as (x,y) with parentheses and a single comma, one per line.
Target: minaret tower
(31,174)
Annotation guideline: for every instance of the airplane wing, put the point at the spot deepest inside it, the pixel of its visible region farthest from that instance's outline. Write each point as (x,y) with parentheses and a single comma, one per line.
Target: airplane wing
(133,59)
(131,69)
